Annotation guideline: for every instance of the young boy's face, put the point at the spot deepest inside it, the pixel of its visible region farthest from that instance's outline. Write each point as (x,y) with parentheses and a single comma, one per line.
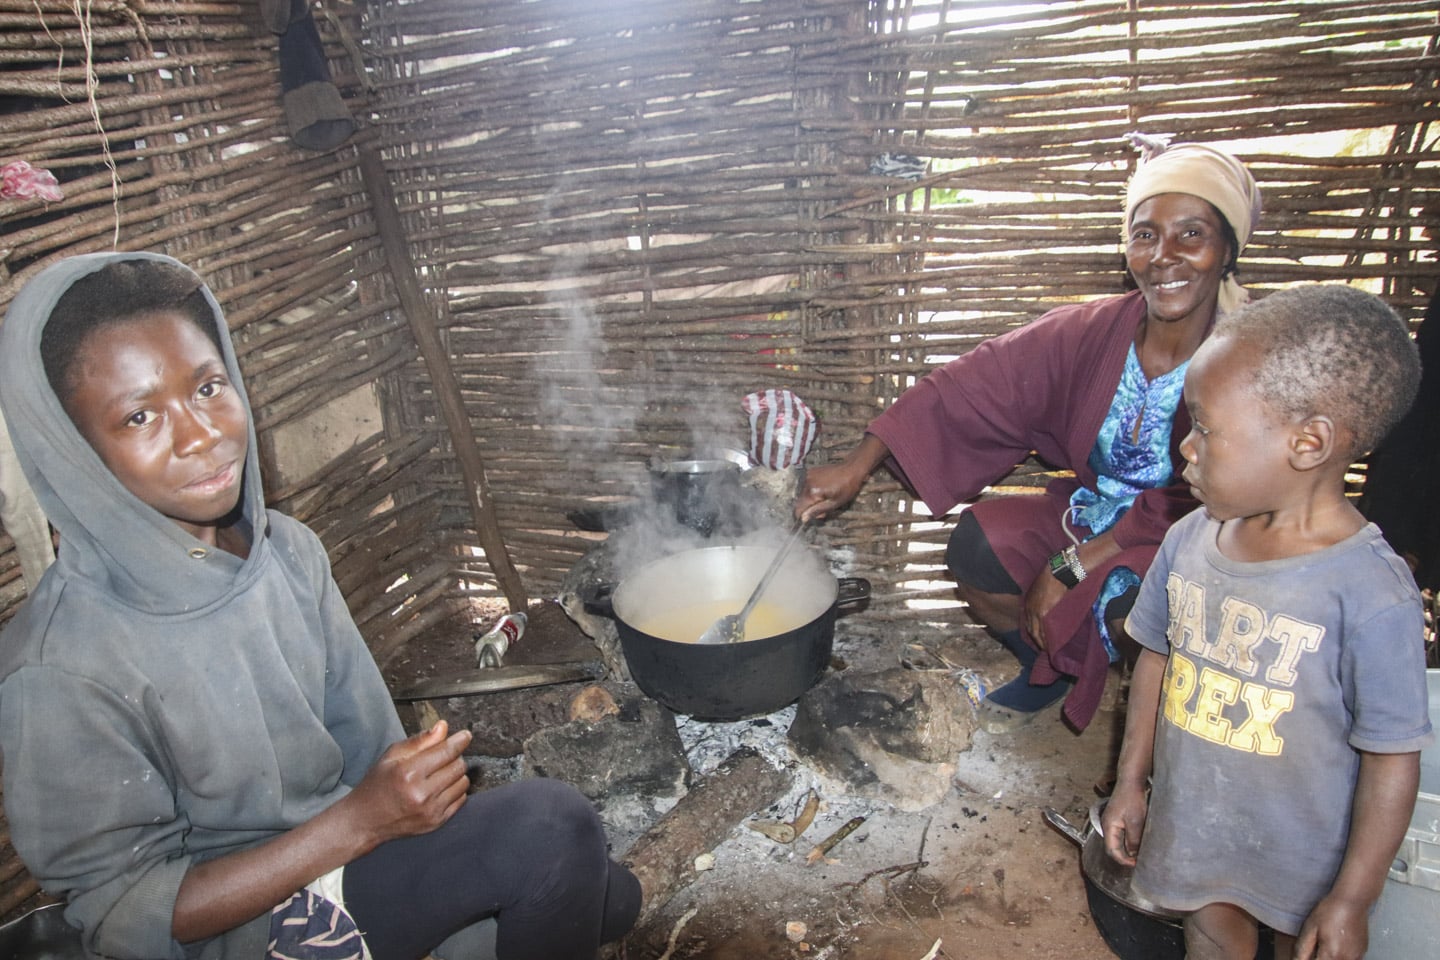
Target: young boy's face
(1238,449)
(154,399)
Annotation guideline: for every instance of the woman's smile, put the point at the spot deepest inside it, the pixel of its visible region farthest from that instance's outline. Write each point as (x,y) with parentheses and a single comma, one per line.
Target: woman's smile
(1177,252)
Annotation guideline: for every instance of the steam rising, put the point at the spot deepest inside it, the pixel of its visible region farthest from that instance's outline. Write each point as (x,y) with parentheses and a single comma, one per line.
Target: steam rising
(596,410)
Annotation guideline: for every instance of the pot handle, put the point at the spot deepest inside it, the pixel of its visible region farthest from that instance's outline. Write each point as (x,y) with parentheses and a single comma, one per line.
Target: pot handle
(852,590)
(1056,820)
(596,598)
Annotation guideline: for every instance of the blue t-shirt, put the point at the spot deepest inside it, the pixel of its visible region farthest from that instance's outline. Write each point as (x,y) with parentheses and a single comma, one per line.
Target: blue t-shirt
(1278,673)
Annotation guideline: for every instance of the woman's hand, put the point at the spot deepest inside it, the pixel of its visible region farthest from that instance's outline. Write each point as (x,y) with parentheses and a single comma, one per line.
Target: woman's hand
(830,487)
(1045,591)
(414,787)
(827,489)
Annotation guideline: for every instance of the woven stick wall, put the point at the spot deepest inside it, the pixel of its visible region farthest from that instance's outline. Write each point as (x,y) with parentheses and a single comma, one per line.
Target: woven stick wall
(177,143)
(625,216)
(615,205)
(162,123)
(625,210)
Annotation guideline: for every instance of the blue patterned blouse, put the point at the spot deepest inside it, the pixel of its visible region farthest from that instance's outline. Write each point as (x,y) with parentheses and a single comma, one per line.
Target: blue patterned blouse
(1132,452)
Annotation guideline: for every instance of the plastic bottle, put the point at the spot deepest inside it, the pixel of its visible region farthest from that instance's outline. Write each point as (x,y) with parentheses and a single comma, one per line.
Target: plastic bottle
(490,648)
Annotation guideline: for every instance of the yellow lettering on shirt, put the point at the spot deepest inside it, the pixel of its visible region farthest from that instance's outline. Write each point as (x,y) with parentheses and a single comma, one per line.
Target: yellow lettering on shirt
(1217,691)
(1187,615)
(1179,684)
(1242,628)
(1206,692)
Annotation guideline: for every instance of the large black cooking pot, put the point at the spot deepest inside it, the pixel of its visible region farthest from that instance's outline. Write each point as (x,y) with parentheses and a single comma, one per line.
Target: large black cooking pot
(679,594)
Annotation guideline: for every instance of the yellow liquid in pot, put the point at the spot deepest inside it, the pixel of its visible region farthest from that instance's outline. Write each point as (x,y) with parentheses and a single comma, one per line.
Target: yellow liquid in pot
(686,624)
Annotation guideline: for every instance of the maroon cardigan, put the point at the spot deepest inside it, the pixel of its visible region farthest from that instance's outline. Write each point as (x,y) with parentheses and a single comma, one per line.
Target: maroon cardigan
(1045,387)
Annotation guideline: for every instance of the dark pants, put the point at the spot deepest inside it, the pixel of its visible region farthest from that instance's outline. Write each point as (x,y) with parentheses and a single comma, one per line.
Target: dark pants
(531,854)
(972,560)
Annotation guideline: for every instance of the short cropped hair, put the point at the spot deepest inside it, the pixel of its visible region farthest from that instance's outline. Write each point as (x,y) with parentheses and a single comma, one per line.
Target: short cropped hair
(1333,350)
(118,293)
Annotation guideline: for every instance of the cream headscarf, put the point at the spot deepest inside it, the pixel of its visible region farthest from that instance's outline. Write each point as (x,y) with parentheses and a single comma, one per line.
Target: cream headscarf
(1204,172)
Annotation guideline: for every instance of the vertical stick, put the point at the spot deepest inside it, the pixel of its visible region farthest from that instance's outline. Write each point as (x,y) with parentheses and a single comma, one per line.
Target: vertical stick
(425,327)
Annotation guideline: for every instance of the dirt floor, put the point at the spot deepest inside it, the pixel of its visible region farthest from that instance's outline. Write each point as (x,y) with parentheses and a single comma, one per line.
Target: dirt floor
(997,881)
(978,875)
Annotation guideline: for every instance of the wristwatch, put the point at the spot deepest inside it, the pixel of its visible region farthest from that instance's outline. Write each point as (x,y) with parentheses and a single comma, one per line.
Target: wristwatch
(1066,567)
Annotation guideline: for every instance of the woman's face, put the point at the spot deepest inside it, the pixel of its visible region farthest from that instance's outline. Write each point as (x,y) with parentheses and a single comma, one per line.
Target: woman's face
(154,399)
(1176,251)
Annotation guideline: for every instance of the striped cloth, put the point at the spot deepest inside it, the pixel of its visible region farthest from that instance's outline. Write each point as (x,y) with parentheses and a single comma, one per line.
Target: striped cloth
(310,927)
(782,428)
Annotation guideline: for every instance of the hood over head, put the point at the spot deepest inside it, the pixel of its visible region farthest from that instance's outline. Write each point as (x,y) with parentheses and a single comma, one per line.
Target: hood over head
(108,535)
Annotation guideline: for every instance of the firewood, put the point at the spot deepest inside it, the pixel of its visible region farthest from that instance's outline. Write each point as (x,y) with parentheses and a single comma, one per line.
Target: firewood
(663,858)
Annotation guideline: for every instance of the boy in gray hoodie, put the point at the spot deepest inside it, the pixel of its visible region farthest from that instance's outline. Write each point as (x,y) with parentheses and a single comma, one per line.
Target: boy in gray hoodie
(201,756)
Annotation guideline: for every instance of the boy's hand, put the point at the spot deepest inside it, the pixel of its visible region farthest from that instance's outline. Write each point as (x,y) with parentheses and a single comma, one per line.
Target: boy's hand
(1123,823)
(1337,929)
(415,786)
(1339,926)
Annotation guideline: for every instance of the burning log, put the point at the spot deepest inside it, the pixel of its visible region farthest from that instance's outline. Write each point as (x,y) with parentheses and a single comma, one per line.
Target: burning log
(663,858)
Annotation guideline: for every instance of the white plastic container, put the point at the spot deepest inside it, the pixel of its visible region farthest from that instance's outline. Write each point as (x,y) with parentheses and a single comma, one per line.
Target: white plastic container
(1406,921)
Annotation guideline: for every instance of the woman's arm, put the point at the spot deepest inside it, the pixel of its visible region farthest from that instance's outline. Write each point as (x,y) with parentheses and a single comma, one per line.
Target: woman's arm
(1384,801)
(1045,591)
(830,487)
(1123,821)
(416,786)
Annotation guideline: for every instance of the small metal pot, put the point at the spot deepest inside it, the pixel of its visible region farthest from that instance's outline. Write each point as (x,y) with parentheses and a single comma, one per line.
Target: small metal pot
(730,681)
(1133,927)
(696,490)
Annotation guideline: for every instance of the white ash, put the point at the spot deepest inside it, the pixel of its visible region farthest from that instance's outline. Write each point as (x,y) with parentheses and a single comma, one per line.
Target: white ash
(707,745)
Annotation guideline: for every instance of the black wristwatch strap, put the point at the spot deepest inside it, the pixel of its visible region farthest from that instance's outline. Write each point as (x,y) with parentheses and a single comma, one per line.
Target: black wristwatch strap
(1060,570)
(1066,567)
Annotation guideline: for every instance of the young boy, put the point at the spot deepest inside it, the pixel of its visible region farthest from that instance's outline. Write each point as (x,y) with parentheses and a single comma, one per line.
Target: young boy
(1281,692)
(200,754)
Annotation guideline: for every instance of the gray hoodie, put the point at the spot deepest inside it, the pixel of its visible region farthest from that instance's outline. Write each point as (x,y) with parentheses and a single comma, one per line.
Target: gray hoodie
(163,703)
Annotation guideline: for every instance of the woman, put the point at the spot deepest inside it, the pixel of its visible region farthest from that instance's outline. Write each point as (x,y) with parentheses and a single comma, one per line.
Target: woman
(1091,388)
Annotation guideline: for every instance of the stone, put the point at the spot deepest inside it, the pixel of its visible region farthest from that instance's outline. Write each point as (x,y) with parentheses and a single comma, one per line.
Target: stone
(583,595)
(636,751)
(593,704)
(893,735)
